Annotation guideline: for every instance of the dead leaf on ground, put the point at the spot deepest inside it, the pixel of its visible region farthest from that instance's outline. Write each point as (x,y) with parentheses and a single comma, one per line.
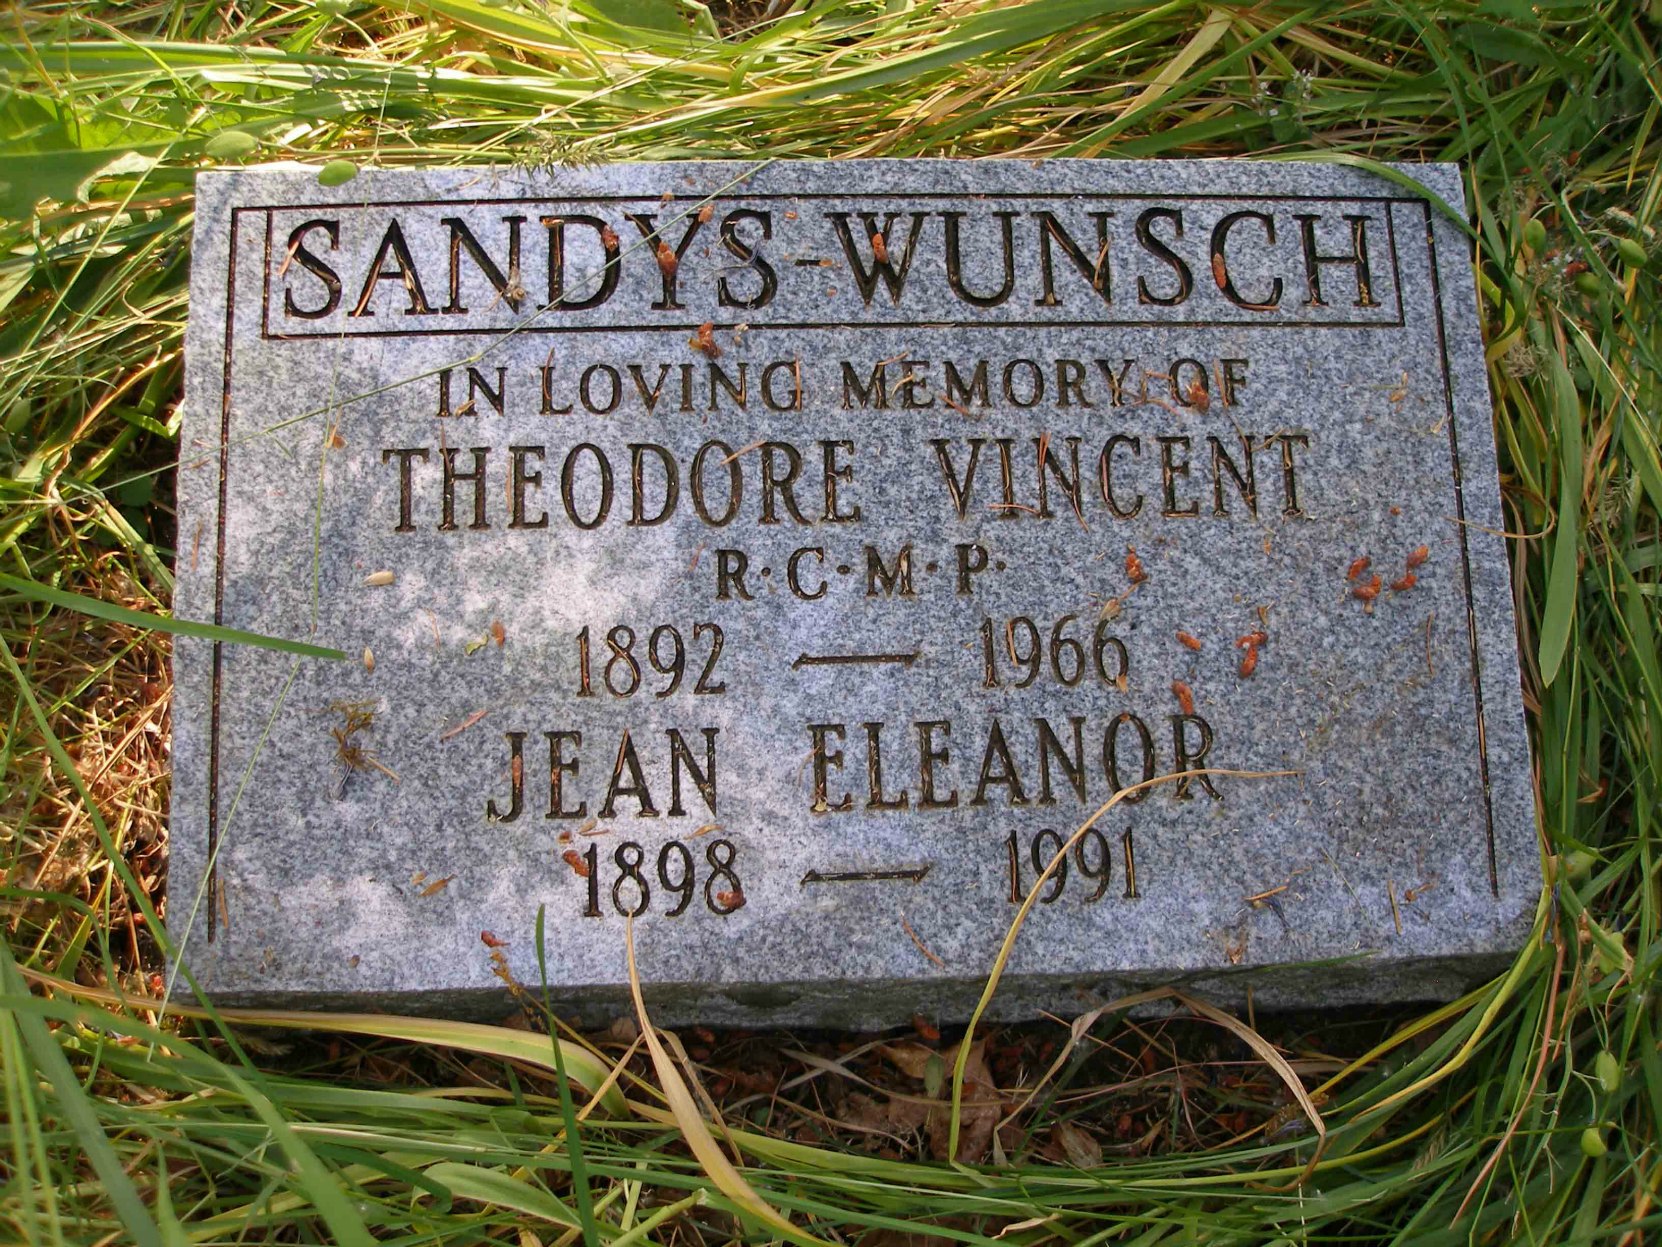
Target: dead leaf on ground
(884,1116)
(911,1059)
(1078,1145)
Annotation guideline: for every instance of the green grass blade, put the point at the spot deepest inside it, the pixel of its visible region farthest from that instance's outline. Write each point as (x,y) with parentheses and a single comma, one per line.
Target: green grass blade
(487,1186)
(572,1134)
(109,611)
(1563,566)
(74,1104)
(501,1042)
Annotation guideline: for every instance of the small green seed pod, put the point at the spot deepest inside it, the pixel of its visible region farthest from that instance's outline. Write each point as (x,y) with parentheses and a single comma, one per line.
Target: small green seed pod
(1608,1070)
(1592,1142)
(1534,235)
(1578,863)
(337,173)
(229,145)
(1632,252)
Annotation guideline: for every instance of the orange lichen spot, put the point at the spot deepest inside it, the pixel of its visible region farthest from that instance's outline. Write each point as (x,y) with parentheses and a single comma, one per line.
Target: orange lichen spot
(1188,640)
(1185,696)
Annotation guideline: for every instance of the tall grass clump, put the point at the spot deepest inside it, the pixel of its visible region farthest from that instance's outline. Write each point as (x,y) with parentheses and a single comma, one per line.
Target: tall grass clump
(1528,1110)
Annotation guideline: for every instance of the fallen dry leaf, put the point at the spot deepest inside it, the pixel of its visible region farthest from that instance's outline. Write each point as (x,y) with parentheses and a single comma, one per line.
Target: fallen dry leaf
(1078,1145)
(911,1059)
(885,1116)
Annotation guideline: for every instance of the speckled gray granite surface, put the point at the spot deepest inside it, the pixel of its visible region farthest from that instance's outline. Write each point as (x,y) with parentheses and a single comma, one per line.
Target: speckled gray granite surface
(884,580)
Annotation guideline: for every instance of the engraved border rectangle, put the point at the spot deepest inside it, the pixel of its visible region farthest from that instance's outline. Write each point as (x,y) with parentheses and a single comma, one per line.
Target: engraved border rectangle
(525,324)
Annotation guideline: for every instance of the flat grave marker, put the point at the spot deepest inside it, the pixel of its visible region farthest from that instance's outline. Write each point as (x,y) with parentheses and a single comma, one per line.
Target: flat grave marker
(792,556)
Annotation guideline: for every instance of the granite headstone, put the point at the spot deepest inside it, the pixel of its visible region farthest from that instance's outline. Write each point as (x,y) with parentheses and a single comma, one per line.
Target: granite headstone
(792,556)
